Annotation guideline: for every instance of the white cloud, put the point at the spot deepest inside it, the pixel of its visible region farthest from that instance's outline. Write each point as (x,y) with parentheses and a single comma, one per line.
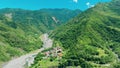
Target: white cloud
(76,1)
(92,5)
(89,5)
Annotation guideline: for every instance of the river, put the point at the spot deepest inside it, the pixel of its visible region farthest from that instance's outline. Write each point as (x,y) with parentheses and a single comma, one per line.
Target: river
(28,59)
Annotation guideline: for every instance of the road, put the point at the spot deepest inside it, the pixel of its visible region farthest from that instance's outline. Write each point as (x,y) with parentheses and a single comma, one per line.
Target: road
(29,58)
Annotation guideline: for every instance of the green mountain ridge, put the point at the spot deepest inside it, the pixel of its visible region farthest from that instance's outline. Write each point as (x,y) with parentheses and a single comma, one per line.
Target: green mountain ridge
(20,30)
(92,39)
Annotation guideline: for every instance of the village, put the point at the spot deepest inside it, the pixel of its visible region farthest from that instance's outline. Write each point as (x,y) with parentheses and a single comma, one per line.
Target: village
(54,52)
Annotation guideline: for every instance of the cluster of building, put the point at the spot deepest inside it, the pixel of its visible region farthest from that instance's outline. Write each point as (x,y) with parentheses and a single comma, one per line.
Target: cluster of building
(55,52)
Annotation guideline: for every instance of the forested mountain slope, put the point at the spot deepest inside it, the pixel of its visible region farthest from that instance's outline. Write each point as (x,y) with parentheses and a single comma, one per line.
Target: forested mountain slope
(92,39)
(20,29)
(44,19)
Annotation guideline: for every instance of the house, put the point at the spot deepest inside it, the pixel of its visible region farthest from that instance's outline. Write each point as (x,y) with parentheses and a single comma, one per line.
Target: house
(55,52)
(47,54)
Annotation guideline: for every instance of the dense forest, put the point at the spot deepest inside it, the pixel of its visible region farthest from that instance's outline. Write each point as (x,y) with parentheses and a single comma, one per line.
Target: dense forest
(90,40)
(20,29)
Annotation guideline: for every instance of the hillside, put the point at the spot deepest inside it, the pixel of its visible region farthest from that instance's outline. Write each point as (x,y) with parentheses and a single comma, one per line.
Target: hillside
(20,30)
(44,19)
(90,40)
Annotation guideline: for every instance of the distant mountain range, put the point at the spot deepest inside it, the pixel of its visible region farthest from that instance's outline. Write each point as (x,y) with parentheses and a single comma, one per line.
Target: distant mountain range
(20,29)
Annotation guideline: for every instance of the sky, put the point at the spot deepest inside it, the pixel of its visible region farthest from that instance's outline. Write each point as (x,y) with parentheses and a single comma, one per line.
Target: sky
(39,4)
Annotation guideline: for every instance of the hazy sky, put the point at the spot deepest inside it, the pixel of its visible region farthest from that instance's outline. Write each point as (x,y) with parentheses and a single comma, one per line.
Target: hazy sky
(38,4)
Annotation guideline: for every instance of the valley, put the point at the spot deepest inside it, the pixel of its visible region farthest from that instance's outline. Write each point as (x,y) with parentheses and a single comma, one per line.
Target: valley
(20,62)
(61,38)
(20,29)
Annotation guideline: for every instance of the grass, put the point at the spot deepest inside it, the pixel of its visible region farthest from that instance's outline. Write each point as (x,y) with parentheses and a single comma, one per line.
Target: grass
(115,28)
(46,63)
(73,67)
(101,52)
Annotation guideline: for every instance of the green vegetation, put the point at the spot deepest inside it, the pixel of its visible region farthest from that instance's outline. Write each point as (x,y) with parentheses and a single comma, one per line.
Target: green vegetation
(20,29)
(15,41)
(42,19)
(46,63)
(92,39)
(43,61)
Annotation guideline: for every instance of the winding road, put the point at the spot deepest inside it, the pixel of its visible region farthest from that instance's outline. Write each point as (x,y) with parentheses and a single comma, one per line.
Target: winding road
(29,58)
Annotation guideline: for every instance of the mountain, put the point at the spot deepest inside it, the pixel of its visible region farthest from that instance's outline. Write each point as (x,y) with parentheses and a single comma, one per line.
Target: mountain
(91,39)
(20,29)
(61,13)
(46,18)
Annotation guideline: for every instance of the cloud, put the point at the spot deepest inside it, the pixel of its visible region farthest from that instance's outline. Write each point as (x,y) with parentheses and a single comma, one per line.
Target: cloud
(75,1)
(92,5)
(89,5)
